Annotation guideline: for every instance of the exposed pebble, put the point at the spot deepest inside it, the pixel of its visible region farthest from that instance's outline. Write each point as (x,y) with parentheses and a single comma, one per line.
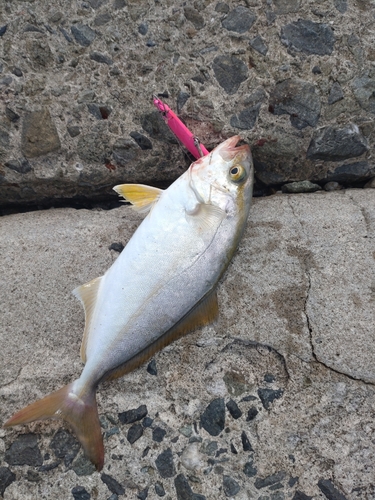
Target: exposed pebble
(39,134)
(134,433)
(300,187)
(6,478)
(259,45)
(183,489)
(230,486)
(142,141)
(335,144)
(267,396)
(134,415)
(142,495)
(269,480)
(249,470)
(240,20)
(230,72)
(335,94)
(22,166)
(113,485)
(332,186)
(24,451)
(352,172)
(159,489)
(246,445)
(309,37)
(363,89)
(79,493)
(234,409)
(101,58)
(158,434)
(83,34)
(213,418)
(65,446)
(194,17)
(329,490)
(82,466)
(165,465)
(298,99)
(299,495)
(246,119)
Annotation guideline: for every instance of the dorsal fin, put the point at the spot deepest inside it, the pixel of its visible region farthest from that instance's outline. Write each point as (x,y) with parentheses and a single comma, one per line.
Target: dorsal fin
(87,294)
(140,196)
(203,313)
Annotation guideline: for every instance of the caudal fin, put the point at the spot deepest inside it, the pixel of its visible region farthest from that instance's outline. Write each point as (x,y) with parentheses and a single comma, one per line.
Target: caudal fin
(80,411)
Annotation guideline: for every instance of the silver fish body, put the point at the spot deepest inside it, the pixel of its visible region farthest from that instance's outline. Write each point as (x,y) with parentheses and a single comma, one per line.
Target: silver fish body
(161,286)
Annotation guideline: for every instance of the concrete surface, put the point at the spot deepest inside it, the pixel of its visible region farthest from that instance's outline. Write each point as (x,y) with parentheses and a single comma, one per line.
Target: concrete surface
(293,349)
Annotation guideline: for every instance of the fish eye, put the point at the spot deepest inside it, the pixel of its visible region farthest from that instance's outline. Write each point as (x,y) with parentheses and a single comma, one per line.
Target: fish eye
(237,173)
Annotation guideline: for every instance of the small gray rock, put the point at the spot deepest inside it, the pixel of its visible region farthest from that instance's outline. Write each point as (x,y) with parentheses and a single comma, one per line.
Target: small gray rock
(73,130)
(298,99)
(269,480)
(247,118)
(101,58)
(335,94)
(22,166)
(286,6)
(182,98)
(39,134)
(134,433)
(267,396)
(335,144)
(332,186)
(6,478)
(341,5)
(213,418)
(230,72)
(113,485)
(246,445)
(309,37)
(159,489)
(249,470)
(124,150)
(233,409)
(240,20)
(79,493)
(194,17)
(352,172)
(230,486)
(164,464)
(82,466)
(259,45)
(102,19)
(65,446)
(142,141)
(158,434)
(24,451)
(364,91)
(300,187)
(143,28)
(131,416)
(156,128)
(83,34)
(299,495)
(329,490)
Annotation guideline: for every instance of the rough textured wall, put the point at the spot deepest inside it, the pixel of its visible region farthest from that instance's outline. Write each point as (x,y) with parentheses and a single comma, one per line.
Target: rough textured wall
(295,79)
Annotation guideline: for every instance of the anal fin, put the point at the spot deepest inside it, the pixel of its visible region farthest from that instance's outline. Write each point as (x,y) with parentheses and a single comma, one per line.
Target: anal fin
(203,313)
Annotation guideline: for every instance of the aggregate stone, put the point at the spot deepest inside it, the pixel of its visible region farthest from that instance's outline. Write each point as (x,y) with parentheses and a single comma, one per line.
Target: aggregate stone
(298,99)
(39,134)
(151,368)
(341,5)
(24,451)
(240,20)
(286,6)
(269,480)
(335,144)
(234,409)
(194,17)
(165,465)
(267,396)
(6,478)
(182,98)
(124,150)
(83,34)
(134,433)
(158,434)
(230,72)
(65,446)
(156,128)
(113,485)
(73,130)
(22,166)
(12,115)
(329,490)
(79,493)
(246,445)
(308,37)
(143,28)
(213,417)
(183,489)
(364,90)
(101,58)
(82,466)
(332,186)
(142,141)
(230,486)
(3,29)
(352,172)
(300,187)
(102,19)
(249,470)
(66,35)
(134,415)
(299,495)
(259,45)
(246,119)
(159,489)
(251,414)
(100,111)
(142,495)
(335,94)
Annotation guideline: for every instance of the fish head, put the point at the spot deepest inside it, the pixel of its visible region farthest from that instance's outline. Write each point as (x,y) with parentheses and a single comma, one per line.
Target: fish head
(225,176)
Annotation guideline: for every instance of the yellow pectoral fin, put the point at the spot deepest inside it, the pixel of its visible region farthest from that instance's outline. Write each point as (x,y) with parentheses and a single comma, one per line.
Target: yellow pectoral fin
(140,196)
(87,294)
(203,313)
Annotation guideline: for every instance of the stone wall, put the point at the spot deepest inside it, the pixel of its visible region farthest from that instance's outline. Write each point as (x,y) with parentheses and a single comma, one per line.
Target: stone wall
(295,79)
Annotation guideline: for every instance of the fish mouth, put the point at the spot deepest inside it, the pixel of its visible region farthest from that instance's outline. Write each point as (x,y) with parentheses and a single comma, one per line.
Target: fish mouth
(228,149)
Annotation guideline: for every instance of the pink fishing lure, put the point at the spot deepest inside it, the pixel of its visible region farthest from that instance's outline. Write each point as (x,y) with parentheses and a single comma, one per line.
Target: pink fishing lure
(180,130)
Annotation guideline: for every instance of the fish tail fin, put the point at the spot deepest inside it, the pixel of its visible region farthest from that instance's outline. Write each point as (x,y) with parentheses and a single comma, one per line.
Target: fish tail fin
(80,411)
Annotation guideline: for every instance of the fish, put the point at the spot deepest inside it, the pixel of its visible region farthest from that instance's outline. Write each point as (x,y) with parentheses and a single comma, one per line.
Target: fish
(162,285)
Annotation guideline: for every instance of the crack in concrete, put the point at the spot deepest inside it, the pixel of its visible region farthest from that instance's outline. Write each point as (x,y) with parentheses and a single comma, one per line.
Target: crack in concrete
(13,380)
(364,214)
(308,276)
